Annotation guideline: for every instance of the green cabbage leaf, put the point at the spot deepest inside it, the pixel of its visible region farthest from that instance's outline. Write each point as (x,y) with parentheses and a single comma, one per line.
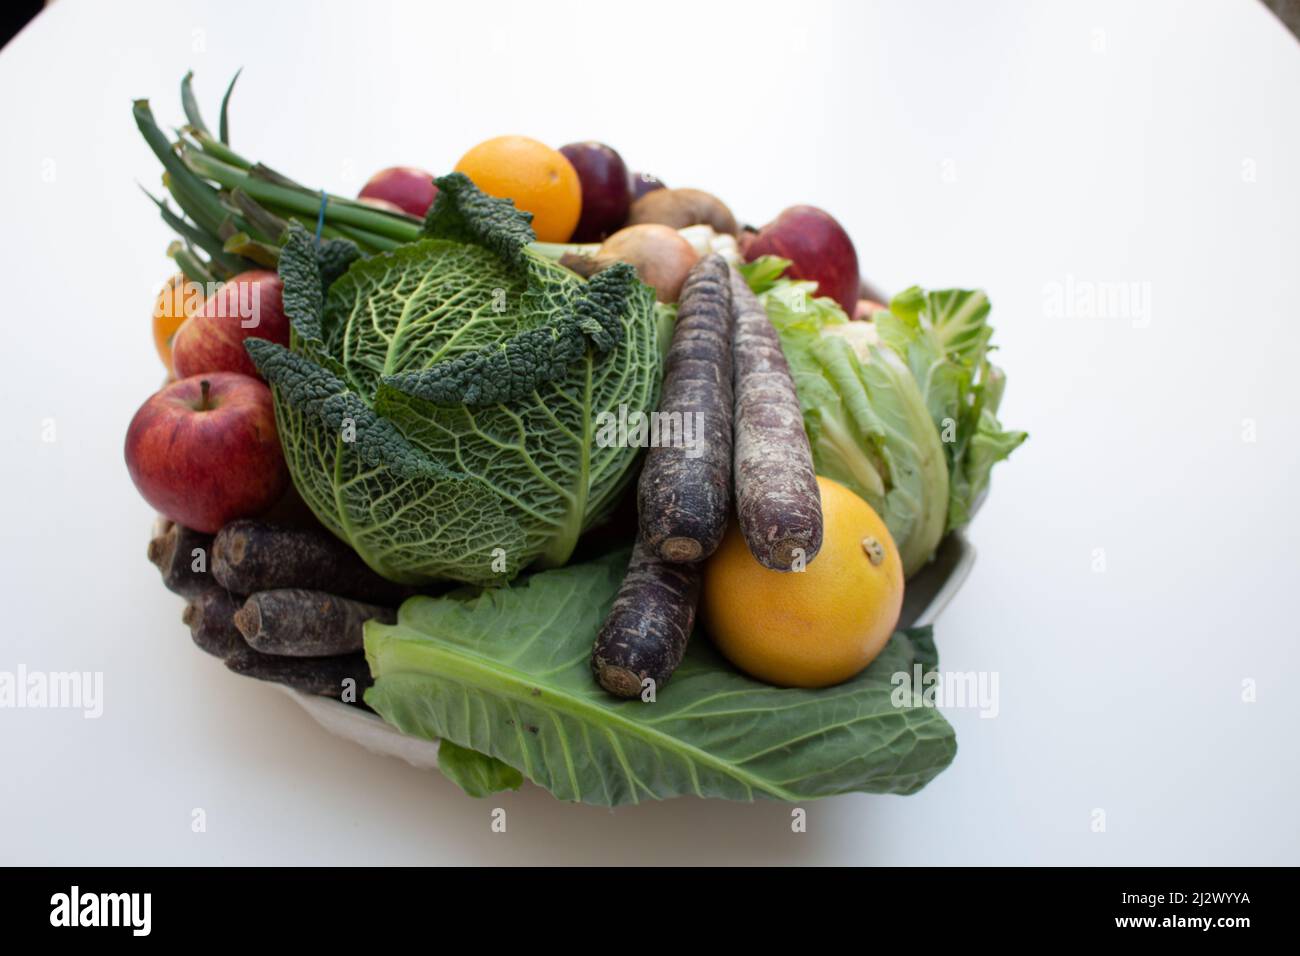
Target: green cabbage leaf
(504,675)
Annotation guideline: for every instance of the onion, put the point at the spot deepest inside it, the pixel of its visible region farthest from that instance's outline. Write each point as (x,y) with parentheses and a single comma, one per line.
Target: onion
(661,257)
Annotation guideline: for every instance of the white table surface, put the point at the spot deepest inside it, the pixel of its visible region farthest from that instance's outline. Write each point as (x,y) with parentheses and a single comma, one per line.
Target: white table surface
(1010,145)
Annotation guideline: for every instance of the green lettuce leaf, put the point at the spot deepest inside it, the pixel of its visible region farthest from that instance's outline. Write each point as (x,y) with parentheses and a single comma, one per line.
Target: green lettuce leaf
(438,404)
(477,774)
(957,317)
(762,274)
(506,673)
(944,338)
(990,444)
(883,404)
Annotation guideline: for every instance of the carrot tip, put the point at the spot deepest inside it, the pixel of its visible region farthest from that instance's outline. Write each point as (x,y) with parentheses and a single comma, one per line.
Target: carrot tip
(785,553)
(680,549)
(619,681)
(248,620)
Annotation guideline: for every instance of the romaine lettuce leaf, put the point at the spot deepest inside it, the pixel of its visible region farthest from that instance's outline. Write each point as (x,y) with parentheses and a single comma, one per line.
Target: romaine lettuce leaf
(506,672)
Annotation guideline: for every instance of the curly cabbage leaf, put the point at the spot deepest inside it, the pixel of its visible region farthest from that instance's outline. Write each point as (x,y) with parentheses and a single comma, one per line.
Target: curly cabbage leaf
(506,674)
(437,405)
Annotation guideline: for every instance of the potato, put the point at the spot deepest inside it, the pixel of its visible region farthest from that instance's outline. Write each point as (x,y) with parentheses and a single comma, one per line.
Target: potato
(683,207)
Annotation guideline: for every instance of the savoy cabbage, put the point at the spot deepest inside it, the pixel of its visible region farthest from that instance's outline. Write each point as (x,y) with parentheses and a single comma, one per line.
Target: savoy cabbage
(437,404)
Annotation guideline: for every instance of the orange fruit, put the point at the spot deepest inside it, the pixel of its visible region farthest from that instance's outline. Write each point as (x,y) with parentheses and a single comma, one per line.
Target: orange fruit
(815,627)
(176,301)
(535,177)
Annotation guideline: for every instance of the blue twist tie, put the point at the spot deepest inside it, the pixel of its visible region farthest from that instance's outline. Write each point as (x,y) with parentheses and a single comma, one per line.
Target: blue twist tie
(320,216)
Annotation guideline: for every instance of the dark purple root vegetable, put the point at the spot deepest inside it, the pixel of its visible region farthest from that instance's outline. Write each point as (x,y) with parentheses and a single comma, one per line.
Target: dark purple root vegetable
(211,619)
(297,623)
(336,677)
(777,498)
(177,552)
(250,556)
(685,486)
(648,627)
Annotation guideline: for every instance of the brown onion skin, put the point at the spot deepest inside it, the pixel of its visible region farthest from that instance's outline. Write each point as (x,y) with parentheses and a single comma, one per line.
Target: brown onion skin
(661,257)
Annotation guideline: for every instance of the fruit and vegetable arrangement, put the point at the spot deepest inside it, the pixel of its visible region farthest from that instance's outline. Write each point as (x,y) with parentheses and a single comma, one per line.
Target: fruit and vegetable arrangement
(561,466)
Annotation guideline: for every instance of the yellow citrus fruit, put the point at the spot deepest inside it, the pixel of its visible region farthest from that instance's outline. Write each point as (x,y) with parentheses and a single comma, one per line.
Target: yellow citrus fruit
(176,301)
(815,627)
(535,177)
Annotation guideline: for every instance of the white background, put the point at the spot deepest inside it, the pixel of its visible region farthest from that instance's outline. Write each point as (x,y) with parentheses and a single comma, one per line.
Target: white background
(1007,145)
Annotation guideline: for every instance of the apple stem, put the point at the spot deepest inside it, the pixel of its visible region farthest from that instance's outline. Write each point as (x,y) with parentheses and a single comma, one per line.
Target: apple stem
(205,386)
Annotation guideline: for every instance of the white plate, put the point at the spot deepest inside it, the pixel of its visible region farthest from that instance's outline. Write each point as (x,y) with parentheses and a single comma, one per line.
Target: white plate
(927,594)
(364,728)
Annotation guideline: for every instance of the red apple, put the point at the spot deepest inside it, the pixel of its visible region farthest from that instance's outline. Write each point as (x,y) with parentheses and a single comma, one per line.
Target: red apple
(818,248)
(410,189)
(383,204)
(250,305)
(204,450)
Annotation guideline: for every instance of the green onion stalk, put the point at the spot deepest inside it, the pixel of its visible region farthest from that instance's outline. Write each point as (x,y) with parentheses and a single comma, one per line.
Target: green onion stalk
(233,214)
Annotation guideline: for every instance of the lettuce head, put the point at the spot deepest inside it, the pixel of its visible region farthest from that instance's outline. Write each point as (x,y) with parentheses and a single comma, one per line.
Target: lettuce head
(901,409)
